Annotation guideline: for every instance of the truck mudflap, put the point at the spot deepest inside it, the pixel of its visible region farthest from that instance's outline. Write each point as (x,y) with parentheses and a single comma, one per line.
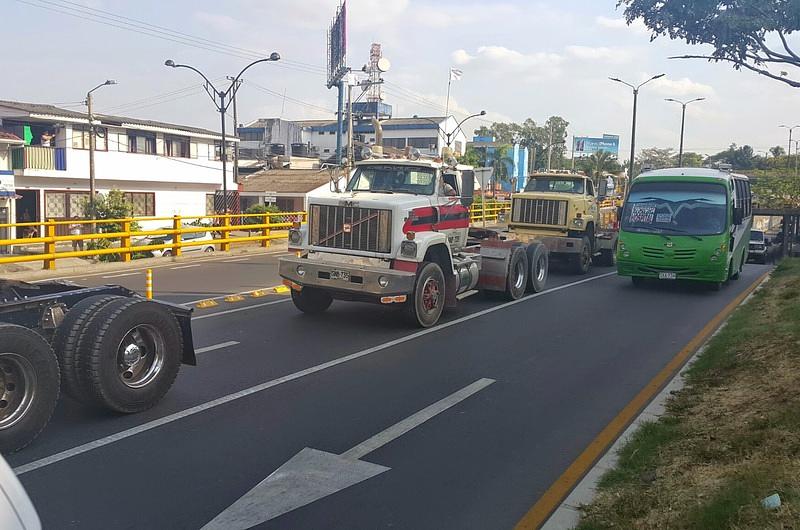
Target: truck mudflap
(347,278)
(495,257)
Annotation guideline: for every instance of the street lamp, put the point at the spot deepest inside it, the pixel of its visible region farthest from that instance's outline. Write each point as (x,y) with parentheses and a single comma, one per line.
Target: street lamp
(222,107)
(789,153)
(90,117)
(448,135)
(683,121)
(633,126)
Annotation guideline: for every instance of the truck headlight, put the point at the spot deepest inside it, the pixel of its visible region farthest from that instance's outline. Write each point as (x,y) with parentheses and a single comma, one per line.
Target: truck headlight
(295,237)
(408,249)
(578,223)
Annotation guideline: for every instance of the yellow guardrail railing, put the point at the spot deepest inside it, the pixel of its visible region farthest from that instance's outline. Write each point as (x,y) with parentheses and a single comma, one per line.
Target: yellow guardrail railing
(132,241)
(125,239)
(494,211)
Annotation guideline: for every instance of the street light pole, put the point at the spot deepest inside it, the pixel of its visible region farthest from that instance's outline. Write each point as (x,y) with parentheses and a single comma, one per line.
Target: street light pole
(633,125)
(90,117)
(235,132)
(789,152)
(222,107)
(683,122)
(448,135)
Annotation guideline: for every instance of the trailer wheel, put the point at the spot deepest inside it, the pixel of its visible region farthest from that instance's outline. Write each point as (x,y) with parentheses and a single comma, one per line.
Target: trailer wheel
(29,385)
(539,261)
(135,355)
(426,306)
(67,338)
(608,256)
(582,260)
(311,301)
(517,278)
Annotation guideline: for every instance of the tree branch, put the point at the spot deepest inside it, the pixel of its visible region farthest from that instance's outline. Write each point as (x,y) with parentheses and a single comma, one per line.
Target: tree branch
(786,46)
(771,53)
(766,73)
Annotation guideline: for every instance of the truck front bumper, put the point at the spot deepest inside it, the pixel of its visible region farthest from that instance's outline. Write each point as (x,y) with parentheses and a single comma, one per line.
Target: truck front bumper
(563,245)
(357,279)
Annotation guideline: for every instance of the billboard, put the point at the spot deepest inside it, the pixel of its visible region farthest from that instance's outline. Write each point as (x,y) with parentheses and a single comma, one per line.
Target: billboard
(587,145)
(337,46)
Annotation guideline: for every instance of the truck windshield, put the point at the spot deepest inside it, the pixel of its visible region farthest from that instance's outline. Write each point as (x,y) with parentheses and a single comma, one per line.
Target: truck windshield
(555,185)
(756,235)
(393,179)
(680,208)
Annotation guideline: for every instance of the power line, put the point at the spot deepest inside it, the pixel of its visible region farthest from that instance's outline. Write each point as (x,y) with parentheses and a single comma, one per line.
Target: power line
(294,100)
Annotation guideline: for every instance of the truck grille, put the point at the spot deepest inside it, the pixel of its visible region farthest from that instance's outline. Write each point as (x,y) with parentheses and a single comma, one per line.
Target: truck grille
(539,212)
(350,227)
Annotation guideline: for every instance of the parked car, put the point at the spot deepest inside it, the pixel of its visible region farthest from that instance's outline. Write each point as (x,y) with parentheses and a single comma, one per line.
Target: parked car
(199,241)
(757,250)
(16,509)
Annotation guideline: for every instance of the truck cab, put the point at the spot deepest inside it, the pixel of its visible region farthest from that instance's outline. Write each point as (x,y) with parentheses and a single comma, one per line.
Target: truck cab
(562,210)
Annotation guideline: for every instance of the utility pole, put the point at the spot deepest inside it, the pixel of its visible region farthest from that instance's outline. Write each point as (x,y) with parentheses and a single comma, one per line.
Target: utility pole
(789,152)
(633,126)
(550,147)
(92,133)
(235,130)
(351,159)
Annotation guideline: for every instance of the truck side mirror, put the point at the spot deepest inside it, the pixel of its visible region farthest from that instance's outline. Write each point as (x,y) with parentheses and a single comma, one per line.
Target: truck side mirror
(467,188)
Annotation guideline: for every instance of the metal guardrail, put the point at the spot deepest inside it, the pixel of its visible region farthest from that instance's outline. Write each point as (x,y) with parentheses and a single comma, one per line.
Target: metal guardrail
(121,230)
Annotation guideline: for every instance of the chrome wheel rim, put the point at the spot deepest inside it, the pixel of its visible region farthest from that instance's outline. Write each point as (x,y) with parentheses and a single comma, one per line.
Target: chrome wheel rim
(18,387)
(519,274)
(540,269)
(430,295)
(140,356)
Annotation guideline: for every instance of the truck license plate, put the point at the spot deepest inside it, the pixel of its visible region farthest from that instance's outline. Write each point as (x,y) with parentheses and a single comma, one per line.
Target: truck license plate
(667,275)
(340,275)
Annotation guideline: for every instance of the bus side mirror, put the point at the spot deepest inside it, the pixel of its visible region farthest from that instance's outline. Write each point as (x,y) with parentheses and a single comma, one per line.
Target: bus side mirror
(467,188)
(738,215)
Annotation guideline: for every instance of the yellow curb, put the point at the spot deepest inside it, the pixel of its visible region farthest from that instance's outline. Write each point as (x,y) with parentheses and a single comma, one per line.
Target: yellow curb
(206,303)
(258,293)
(234,298)
(281,289)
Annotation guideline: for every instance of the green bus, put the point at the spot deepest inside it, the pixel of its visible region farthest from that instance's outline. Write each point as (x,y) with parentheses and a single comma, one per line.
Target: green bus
(685,224)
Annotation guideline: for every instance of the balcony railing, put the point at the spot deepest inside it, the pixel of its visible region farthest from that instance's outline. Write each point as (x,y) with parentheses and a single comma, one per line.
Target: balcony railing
(38,157)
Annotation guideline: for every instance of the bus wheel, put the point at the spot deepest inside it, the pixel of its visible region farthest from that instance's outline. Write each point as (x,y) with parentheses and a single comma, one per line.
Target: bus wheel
(715,286)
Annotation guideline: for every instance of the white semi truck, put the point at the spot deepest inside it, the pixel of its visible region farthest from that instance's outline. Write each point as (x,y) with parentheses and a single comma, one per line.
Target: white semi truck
(399,233)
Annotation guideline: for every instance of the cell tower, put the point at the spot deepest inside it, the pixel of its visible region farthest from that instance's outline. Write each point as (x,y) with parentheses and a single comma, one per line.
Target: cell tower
(374,72)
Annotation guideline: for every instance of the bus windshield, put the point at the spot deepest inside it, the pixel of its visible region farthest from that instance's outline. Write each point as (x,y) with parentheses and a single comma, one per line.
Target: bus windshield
(679,208)
(555,185)
(394,179)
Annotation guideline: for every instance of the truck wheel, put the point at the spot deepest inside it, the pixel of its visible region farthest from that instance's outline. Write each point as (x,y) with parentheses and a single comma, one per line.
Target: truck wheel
(29,384)
(135,355)
(311,301)
(517,278)
(426,306)
(539,261)
(67,337)
(582,260)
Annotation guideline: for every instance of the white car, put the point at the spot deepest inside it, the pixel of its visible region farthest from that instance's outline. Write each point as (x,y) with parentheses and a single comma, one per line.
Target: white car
(199,241)
(16,509)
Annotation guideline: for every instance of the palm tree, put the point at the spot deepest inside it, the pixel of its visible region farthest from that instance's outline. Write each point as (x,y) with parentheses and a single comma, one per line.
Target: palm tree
(602,162)
(500,162)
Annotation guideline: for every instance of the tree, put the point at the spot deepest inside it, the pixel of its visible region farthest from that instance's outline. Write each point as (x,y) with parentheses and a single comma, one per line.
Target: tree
(691,160)
(597,164)
(777,151)
(472,157)
(112,205)
(740,158)
(500,162)
(655,157)
(739,30)
(777,191)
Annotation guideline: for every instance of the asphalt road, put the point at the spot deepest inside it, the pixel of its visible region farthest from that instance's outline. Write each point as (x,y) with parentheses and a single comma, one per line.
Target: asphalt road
(551,371)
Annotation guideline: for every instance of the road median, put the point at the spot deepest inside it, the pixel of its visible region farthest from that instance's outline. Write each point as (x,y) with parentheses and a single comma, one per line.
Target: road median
(729,439)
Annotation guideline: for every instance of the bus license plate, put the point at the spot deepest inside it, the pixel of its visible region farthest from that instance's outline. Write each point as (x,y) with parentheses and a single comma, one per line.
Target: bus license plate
(340,275)
(667,276)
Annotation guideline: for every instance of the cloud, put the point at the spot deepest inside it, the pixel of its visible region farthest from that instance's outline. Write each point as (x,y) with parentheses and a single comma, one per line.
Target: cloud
(636,26)
(216,22)
(500,58)
(681,87)
(442,17)
(602,53)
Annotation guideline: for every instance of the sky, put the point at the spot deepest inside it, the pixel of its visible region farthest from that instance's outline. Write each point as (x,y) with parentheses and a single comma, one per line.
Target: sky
(520,59)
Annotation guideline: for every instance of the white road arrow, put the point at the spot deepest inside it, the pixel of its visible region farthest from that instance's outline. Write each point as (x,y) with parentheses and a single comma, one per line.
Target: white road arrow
(311,475)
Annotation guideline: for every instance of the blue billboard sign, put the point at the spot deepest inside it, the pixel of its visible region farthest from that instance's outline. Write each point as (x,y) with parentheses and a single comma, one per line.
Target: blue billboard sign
(587,145)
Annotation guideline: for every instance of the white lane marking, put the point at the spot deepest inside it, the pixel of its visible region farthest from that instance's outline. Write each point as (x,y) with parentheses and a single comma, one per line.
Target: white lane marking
(89,446)
(184,267)
(235,260)
(238,309)
(202,259)
(120,275)
(216,346)
(311,474)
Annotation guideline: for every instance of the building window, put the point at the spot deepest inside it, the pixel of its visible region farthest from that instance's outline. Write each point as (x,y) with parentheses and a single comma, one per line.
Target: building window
(326,150)
(397,143)
(142,143)
(176,146)
(80,138)
(423,143)
(218,150)
(251,136)
(144,204)
(331,132)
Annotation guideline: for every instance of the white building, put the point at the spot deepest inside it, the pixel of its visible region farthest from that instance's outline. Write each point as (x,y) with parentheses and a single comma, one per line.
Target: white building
(428,134)
(164,169)
(7,188)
